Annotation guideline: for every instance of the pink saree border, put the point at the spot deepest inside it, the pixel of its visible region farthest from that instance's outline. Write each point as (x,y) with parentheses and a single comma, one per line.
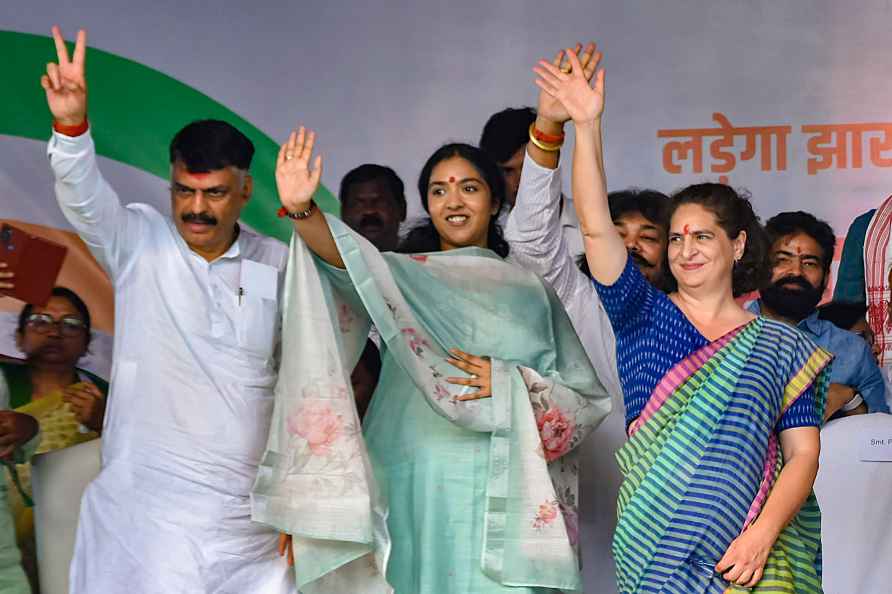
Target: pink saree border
(679,374)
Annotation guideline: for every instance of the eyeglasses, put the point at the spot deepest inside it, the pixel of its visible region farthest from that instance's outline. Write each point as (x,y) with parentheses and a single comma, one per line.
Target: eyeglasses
(44,324)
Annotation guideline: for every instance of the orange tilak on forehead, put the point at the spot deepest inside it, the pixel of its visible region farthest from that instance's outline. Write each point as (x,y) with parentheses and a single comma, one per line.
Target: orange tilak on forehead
(687,230)
(788,244)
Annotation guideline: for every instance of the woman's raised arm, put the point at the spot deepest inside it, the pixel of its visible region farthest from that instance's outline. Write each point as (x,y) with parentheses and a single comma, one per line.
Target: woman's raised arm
(604,249)
(297,183)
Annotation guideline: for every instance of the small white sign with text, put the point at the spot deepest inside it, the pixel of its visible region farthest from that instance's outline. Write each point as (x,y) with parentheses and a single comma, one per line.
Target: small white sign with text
(875,448)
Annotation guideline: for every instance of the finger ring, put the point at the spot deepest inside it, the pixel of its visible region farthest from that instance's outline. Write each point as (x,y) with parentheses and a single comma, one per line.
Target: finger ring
(289,156)
(474,376)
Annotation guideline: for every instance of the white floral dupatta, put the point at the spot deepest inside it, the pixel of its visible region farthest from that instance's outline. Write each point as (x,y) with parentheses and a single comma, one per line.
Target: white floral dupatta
(316,482)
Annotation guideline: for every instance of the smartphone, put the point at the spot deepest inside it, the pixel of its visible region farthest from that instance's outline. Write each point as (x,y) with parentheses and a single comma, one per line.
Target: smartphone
(35,261)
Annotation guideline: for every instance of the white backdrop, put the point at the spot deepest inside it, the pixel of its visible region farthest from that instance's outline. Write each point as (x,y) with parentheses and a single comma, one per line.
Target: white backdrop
(390,81)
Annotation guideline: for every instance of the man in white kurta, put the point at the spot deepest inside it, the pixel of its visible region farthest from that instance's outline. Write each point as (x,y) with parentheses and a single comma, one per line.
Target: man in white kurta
(197,307)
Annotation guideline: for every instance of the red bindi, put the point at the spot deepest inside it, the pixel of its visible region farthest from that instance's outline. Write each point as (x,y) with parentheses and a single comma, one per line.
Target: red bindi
(451,179)
(687,229)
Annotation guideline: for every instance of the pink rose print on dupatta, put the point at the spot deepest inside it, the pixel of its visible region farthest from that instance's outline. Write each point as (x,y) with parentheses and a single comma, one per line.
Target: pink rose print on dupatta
(317,423)
(419,258)
(440,392)
(547,513)
(556,432)
(416,343)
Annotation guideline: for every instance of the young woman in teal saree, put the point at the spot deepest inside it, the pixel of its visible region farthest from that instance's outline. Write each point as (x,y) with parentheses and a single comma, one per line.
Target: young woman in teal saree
(462,478)
(723,407)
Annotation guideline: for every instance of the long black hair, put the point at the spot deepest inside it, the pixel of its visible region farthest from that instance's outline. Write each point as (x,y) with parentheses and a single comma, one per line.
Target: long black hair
(424,237)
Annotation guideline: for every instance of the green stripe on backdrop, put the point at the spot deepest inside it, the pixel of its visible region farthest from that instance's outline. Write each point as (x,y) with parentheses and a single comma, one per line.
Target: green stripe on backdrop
(134,112)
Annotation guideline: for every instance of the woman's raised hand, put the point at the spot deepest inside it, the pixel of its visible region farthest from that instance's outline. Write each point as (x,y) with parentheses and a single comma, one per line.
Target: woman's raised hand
(65,82)
(295,180)
(582,103)
(549,106)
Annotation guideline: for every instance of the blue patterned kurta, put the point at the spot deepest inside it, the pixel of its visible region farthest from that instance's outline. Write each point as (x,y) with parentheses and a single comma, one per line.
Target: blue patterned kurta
(652,335)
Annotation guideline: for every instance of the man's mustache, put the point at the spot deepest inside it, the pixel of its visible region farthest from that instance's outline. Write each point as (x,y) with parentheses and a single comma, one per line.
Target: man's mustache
(799,281)
(199,217)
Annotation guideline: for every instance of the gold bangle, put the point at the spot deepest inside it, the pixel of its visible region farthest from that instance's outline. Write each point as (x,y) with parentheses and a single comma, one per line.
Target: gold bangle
(548,148)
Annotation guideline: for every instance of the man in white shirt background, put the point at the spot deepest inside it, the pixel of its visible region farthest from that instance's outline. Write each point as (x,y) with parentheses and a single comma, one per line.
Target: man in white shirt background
(197,302)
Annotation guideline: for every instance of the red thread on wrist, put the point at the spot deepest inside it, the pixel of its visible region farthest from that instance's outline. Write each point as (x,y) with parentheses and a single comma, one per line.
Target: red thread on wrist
(547,138)
(76,130)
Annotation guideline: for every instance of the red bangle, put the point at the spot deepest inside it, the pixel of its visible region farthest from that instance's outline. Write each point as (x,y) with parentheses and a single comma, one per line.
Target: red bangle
(547,138)
(76,130)
(305,214)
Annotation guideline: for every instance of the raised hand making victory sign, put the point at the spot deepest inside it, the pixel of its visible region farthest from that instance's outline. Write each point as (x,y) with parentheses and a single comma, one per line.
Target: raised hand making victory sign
(65,82)
(169,271)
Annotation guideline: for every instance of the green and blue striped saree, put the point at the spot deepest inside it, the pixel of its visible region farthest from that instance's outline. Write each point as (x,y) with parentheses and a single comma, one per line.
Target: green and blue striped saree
(701,461)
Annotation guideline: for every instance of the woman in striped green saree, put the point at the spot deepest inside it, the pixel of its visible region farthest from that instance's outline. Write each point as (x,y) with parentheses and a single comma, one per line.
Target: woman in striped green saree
(723,407)
(704,456)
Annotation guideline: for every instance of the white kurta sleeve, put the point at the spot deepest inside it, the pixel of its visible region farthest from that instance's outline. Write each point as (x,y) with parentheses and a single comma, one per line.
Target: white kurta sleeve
(90,204)
(536,237)
(535,232)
